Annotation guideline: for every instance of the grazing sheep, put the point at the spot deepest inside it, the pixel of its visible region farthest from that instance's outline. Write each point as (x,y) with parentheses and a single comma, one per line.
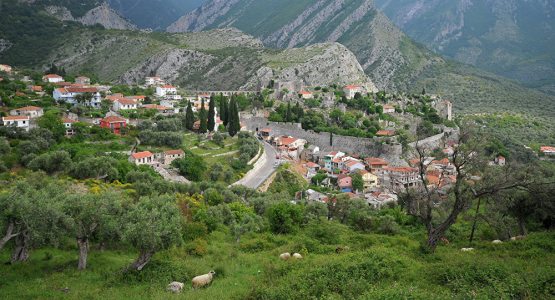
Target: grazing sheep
(175,287)
(285,256)
(203,280)
(518,237)
(497,242)
(342,249)
(467,249)
(297,256)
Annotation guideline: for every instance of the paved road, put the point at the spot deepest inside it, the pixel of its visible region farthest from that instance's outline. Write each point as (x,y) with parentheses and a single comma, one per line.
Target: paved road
(263,168)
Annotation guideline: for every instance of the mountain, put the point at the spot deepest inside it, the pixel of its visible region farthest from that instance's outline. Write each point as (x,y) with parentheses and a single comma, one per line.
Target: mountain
(512,38)
(391,59)
(225,59)
(154,14)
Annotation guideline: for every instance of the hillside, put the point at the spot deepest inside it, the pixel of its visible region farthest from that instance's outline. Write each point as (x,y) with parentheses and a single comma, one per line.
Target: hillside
(391,59)
(154,14)
(510,38)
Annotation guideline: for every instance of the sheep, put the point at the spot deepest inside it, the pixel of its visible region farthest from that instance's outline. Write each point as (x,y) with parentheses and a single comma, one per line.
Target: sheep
(297,256)
(175,287)
(203,280)
(342,249)
(497,242)
(467,249)
(518,237)
(285,256)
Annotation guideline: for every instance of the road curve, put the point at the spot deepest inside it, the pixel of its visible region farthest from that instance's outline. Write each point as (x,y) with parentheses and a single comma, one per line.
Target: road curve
(263,169)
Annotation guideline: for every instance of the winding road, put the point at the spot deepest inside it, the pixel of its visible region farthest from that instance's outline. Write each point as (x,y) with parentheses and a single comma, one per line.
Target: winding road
(263,168)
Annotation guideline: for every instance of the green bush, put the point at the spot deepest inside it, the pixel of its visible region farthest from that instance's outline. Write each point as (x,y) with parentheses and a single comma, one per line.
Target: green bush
(285,217)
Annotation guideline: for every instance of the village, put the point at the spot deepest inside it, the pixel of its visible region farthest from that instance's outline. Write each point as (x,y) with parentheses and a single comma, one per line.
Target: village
(327,171)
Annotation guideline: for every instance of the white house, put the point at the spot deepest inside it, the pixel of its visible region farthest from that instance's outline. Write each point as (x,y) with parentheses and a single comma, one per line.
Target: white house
(547,150)
(168,103)
(17,121)
(306,95)
(69,95)
(388,109)
(68,124)
(83,80)
(155,80)
(142,158)
(52,78)
(31,111)
(124,104)
(5,68)
(171,155)
(162,91)
(354,165)
(351,90)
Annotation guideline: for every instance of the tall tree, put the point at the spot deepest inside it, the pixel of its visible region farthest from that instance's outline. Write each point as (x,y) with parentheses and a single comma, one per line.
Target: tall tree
(234,124)
(224,110)
(151,225)
(288,116)
(202,116)
(211,122)
(189,117)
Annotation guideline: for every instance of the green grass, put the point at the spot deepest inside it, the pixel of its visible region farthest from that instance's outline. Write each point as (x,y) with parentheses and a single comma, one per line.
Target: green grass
(376,267)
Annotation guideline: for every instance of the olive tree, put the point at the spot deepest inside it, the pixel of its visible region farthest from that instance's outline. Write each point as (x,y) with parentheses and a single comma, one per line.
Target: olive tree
(152,224)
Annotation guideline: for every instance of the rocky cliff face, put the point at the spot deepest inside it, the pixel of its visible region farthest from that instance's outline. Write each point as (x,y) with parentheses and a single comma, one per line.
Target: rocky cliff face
(103,15)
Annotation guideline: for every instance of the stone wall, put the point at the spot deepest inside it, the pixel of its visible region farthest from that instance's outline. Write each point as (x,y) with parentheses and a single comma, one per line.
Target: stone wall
(353,145)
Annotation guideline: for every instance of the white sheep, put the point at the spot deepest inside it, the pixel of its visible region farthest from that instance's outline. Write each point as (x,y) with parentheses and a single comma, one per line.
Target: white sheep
(297,256)
(497,242)
(175,287)
(518,237)
(285,256)
(203,280)
(467,249)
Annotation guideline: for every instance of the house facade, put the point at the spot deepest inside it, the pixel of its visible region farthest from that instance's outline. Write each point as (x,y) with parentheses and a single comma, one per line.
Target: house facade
(31,111)
(351,90)
(142,158)
(17,121)
(114,123)
(71,94)
(164,90)
(83,80)
(52,78)
(124,104)
(68,124)
(171,155)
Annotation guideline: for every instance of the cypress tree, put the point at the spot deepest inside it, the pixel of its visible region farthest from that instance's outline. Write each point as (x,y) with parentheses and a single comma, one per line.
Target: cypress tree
(288,116)
(211,114)
(189,117)
(234,124)
(331,138)
(299,112)
(202,117)
(223,109)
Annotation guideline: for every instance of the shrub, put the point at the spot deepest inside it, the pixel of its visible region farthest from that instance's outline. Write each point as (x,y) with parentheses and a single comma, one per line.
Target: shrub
(284,217)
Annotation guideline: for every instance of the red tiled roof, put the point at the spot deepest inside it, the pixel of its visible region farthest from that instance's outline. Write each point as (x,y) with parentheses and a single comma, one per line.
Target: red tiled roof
(174,152)
(352,87)
(385,133)
(15,118)
(68,120)
(168,86)
(288,140)
(547,149)
(137,97)
(376,161)
(36,88)
(126,101)
(352,163)
(155,106)
(81,90)
(51,76)
(30,108)
(312,165)
(305,93)
(114,119)
(267,130)
(401,169)
(143,154)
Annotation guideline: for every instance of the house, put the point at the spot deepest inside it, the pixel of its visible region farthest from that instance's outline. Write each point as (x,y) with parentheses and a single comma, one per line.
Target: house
(162,91)
(306,95)
(142,158)
(289,145)
(124,104)
(71,95)
(168,103)
(171,155)
(444,166)
(370,180)
(204,96)
(351,90)
(150,81)
(5,68)
(31,111)
(311,153)
(265,134)
(379,199)
(83,80)
(388,109)
(345,184)
(313,195)
(160,108)
(401,178)
(138,98)
(114,123)
(52,78)
(353,165)
(330,158)
(375,164)
(35,88)
(312,169)
(68,124)
(17,121)
(547,150)
(385,133)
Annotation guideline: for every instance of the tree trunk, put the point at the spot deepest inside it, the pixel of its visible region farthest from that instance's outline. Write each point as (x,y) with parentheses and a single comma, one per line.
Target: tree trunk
(475,222)
(142,260)
(522,226)
(83,244)
(9,235)
(21,251)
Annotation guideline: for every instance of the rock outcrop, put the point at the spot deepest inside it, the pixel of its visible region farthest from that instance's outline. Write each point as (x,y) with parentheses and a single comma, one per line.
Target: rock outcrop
(203,17)
(102,15)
